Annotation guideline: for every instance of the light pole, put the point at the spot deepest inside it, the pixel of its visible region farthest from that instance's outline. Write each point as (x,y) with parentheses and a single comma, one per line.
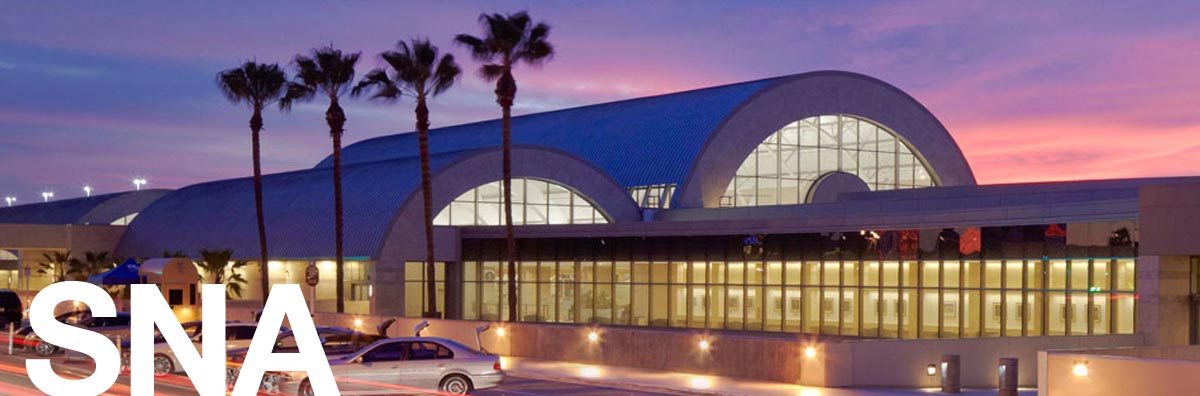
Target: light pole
(138,183)
(47,195)
(87,191)
(10,199)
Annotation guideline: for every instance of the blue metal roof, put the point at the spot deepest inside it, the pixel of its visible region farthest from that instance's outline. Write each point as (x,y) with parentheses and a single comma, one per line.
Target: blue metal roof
(640,141)
(99,209)
(298,212)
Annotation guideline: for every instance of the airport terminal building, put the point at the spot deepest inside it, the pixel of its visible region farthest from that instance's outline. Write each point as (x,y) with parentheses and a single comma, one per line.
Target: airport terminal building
(826,203)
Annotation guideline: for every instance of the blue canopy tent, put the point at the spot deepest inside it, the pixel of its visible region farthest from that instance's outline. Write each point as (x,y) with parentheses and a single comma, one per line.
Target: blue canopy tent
(124,274)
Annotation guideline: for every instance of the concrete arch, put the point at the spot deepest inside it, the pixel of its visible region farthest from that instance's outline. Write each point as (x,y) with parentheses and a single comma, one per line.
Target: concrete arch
(813,94)
(483,166)
(121,206)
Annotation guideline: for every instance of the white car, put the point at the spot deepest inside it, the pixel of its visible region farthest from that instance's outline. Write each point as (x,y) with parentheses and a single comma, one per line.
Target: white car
(409,365)
(237,336)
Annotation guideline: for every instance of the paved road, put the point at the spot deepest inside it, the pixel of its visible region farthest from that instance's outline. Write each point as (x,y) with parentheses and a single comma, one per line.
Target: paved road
(15,382)
(516,386)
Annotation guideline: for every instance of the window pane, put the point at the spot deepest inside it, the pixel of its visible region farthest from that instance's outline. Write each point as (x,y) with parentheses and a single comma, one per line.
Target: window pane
(1058,274)
(1126,274)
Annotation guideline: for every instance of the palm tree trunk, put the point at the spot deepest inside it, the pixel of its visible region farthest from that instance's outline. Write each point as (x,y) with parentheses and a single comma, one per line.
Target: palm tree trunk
(427,196)
(506,91)
(336,118)
(256,124)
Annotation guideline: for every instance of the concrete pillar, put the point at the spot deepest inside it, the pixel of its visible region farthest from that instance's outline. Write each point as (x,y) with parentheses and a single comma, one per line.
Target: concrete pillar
(389,288)
(1164,289)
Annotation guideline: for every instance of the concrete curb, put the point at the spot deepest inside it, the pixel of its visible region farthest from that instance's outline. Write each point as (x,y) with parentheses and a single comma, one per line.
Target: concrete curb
(621,385)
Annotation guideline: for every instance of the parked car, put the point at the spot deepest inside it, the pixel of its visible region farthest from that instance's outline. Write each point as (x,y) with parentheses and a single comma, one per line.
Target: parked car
(69,317)
(237,337)
(406,365)
(335,341)
(113,327)
(11,310)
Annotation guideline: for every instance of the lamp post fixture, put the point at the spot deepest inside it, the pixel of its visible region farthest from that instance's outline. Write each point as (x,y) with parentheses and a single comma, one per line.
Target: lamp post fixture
(47,196)
(87,191)
(10,199)
(138,183)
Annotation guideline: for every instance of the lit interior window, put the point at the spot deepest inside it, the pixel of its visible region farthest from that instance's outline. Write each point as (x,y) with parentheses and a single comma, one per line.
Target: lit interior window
(534,202)
(783,168)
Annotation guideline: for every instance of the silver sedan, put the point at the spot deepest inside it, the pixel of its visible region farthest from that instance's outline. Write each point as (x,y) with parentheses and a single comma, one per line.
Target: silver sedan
(408,365)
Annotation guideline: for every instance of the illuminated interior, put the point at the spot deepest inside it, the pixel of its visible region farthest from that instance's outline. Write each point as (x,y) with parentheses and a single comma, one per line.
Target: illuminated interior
(534,201)
(783,168)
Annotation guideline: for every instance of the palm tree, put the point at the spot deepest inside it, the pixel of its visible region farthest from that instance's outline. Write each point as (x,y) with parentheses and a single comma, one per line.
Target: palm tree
(219,267)
(508,40)
(327,71)
(416,71)
(258,85)
(55,264)
(93,263)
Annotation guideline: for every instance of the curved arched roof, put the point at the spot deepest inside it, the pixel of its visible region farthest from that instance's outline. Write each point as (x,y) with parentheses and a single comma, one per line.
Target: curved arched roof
(694,139)
(638,141)
(377,197)
(99,209)
(661,139)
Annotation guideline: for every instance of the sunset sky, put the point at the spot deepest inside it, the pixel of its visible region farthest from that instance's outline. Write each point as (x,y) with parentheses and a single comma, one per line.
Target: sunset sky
(101,92)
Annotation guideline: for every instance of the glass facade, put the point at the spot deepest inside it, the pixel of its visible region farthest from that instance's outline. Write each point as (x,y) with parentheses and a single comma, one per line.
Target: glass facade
(414,287)
(534,201)
(357,292)
(655,196)
(783,168)
(943,283)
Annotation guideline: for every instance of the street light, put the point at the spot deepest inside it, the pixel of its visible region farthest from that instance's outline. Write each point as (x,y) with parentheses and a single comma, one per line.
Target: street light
(47,195)
(138,183)
(87,190)
(10,199)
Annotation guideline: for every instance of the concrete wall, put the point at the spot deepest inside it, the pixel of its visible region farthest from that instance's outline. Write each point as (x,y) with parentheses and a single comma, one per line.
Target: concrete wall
(767,357)
(1142,371)
(408,245)
(1164,290)
(838,362)
(902,363)
(1168,215)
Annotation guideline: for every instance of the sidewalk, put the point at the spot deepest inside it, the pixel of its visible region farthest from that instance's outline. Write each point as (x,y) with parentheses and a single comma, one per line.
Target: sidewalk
(690,384)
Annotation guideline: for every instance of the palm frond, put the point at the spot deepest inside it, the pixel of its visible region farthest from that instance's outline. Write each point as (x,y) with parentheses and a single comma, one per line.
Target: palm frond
(491,72)
(478,49)
(445,75)
(256,84)
(414,68)
(296,93)
(377,81)
(508,40)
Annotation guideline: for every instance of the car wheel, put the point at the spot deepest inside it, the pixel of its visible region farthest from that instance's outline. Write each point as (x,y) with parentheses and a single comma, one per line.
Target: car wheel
(456,385)
(163,365)
(44,349)
(305,389)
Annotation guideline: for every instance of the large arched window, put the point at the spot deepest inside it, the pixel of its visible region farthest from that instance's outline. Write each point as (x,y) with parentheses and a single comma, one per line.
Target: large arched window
(783,168)
(534,201)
